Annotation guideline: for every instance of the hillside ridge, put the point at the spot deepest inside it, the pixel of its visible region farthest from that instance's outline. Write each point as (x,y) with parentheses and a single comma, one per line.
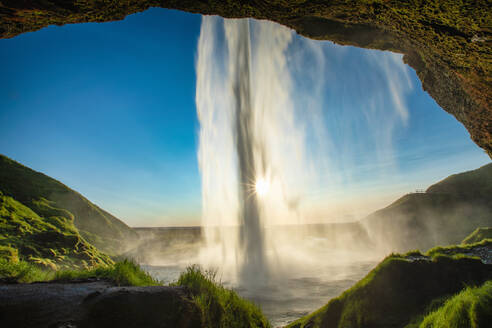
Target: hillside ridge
(445,214)
(49,197)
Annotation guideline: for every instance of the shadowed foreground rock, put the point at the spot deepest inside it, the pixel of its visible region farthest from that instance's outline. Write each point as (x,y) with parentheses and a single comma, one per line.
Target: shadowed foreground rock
(95,304)
(447,42)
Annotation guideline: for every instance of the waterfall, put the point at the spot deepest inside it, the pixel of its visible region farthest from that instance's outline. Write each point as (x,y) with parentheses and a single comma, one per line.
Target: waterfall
(250,232)
(266,150)
(238,99)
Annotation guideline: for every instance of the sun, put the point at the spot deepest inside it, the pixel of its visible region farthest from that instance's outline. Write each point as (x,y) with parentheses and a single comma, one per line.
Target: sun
(261,187)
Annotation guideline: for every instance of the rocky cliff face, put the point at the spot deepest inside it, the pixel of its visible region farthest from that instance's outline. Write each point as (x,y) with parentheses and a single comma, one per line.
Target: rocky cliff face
(448,43)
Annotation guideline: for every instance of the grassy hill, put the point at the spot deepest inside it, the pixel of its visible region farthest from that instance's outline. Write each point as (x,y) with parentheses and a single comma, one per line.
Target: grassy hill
(414,290)
(475,185)
(445,214)
(33,197)
(51,241)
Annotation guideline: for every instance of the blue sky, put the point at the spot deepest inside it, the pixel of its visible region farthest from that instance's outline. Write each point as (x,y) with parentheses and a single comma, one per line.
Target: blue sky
(108,109)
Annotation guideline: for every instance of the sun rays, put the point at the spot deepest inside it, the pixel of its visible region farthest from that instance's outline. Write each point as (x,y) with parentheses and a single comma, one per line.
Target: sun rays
(262,187)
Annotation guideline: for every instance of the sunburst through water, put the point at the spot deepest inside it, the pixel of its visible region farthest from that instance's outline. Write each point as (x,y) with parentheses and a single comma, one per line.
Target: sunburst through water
(265,148)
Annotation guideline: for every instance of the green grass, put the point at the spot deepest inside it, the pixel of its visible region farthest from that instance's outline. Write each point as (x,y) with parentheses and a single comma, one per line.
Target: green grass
(456,250)
(9,253)
(46,231)
(23,272)
(52,241)
(478,235)
(46,199)
(220,307)
(472,307)
(399,290)
(124,273)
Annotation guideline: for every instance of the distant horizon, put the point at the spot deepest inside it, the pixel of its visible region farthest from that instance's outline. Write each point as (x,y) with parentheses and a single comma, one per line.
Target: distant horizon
(320,222)
(314,223)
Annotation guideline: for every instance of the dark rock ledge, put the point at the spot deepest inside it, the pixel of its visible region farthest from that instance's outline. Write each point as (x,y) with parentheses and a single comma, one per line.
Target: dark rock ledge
(95,304)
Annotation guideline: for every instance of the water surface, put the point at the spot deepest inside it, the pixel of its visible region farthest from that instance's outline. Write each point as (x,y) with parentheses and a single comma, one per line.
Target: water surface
(287,298)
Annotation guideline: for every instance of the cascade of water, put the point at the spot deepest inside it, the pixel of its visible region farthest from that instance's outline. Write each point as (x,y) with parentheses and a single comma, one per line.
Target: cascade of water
(252,124)
(250,229)
(265,144)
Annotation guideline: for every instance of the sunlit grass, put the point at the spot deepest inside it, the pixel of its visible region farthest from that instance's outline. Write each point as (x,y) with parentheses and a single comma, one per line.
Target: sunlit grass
(456,250)
(472,307)
(400,291)
(124,273)
(23,272)
(220,307)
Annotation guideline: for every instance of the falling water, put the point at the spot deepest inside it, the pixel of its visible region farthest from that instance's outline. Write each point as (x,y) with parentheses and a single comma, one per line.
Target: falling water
(267,142)
(251,233)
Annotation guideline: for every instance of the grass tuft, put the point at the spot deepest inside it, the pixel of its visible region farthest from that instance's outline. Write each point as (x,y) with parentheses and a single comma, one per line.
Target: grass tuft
(220,307)
(22,272)
(124,273)
(472,307)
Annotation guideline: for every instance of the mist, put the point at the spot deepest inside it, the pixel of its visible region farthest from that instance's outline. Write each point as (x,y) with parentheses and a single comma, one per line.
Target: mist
(264,120)
(293,158)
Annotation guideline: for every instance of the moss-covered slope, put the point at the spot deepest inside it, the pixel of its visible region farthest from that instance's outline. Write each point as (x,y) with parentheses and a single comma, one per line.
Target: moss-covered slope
(52,201)
(402,288)
(51,241)
(478,235)
(448,42)
(445,214)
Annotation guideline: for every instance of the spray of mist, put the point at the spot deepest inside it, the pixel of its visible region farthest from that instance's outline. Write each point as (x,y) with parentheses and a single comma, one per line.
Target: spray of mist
(271,147)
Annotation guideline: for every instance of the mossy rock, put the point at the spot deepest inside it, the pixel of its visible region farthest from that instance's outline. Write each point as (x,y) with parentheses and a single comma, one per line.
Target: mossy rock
(401,288)
(478,235)
(60,206)
(51,243)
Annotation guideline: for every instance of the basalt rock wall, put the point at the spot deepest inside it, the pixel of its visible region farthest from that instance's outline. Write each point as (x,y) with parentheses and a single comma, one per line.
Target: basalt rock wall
(447,42)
